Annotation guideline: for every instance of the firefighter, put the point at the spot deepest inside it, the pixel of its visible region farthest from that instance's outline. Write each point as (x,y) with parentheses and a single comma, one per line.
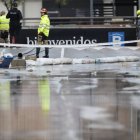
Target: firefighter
(43,32)
(15,16)
(4,26)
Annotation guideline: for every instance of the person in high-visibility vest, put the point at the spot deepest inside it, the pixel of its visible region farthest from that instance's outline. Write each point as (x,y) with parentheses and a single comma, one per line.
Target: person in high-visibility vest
(43,32)
(4,26)
(138,23)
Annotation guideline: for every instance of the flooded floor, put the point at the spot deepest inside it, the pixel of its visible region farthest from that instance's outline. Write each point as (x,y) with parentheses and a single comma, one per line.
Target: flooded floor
(71,102)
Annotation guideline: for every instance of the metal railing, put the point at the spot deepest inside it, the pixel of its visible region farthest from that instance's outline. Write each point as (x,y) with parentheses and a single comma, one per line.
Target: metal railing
(82,21)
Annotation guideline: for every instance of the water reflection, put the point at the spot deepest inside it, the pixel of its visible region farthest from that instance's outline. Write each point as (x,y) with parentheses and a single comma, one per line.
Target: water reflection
(21,106)
(15,92)
(4,95)
(44,94)
(79,106)
(105,110)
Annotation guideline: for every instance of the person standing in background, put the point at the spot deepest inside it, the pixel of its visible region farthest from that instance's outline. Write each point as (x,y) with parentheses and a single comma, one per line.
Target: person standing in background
(43,32)
(4,27)
(15,16)
(138,24)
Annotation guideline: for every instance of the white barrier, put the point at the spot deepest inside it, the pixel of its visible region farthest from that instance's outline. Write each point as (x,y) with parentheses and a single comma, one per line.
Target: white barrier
(56,61)
(97,46)
(94,45)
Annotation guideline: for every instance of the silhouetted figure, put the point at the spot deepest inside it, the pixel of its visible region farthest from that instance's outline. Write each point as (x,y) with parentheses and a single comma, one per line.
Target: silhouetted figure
(15,26)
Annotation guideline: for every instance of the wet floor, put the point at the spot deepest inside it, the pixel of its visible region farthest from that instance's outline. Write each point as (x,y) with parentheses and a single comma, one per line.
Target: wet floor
(71,102)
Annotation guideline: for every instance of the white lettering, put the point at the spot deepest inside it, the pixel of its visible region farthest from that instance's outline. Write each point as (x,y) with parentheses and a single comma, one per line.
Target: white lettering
(61,42)
(35,40)
(30,41)
(74,41)
(68,42)
(87,41)
(93,41)
(80,41)
(116,39)
(51,42)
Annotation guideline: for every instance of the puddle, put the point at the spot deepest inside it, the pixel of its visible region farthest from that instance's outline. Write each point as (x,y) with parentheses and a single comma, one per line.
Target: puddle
(89,104)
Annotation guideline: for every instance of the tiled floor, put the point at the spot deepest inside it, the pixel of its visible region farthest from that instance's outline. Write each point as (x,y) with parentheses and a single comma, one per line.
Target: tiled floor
(71,102)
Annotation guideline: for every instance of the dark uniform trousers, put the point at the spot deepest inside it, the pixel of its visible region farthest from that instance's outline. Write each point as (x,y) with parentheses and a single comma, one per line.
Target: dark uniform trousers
(42,40)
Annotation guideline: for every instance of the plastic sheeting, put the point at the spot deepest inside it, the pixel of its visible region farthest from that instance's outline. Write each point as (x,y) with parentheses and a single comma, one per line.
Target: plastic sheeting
(58,61)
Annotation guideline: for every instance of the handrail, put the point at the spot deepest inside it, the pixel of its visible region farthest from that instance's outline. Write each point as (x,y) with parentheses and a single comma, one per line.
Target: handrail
(105,17)
(110,20)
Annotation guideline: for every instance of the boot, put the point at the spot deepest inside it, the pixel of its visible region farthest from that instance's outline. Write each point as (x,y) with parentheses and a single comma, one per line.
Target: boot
(37,52)
(46,53)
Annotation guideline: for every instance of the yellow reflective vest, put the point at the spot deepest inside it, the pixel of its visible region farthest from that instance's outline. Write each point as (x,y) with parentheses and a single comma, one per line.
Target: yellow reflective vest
(44,26)
(138,12)
(4,23)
